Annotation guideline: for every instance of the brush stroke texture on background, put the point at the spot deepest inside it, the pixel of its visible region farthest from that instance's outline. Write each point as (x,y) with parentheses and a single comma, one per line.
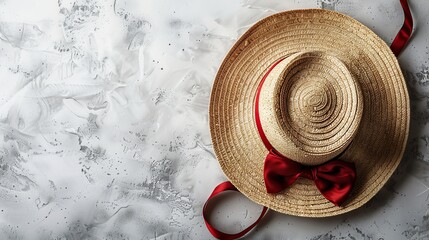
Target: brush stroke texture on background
(103,121)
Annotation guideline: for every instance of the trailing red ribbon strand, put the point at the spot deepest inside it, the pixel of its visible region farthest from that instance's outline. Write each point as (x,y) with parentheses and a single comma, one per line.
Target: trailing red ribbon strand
(404,34)
(397,46)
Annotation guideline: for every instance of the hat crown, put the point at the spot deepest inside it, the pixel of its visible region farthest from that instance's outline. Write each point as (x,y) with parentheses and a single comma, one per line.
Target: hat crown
(310,107)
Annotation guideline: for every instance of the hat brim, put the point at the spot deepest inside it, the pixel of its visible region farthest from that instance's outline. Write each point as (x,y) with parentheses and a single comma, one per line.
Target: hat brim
(380,142)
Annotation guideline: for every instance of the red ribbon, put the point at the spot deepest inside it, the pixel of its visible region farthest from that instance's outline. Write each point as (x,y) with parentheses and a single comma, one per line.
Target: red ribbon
(227,186)
(404,34)
(334,179)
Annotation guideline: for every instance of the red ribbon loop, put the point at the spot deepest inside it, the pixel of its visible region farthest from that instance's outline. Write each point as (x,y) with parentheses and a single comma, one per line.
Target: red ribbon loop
(227,186)
(334,179)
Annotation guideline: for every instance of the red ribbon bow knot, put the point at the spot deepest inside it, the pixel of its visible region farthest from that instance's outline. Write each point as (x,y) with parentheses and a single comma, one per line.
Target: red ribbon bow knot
(334,179)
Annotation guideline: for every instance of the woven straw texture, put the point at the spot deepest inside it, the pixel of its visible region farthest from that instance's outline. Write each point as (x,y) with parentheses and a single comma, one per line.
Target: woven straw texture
(310,107)
(357,83)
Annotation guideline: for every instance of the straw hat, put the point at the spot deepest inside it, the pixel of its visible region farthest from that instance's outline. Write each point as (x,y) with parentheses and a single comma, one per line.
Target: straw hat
(338,91)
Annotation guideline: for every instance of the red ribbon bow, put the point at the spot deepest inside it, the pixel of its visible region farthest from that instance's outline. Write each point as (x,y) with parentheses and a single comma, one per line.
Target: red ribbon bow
(334,179)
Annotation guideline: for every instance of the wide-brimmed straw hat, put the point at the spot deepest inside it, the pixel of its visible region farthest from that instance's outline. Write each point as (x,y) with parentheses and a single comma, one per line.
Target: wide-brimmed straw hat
(333,89)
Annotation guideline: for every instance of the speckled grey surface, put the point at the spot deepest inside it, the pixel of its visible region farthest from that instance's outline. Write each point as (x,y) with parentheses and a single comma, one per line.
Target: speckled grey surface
(103,121)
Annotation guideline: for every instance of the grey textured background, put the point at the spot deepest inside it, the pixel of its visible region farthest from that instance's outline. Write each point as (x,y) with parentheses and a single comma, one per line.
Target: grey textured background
(103,121)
